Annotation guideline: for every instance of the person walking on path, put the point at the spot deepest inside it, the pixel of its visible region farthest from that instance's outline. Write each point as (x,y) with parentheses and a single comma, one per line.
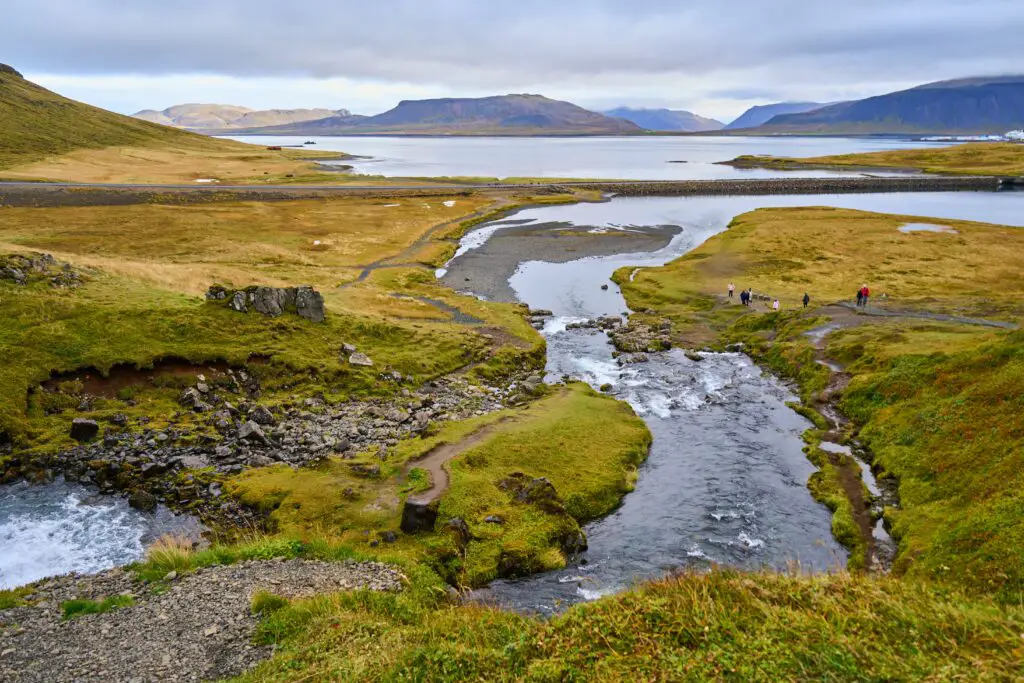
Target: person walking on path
(775,305)
(864,292)
(860,297)
(807,299)
(732,288)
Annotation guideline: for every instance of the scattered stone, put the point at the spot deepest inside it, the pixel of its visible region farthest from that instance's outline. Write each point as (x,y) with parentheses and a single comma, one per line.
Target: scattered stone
(348,349)
(360,359)
(494,519)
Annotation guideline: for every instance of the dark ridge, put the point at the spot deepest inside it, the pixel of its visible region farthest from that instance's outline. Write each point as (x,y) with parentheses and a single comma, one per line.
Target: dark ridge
(4,69)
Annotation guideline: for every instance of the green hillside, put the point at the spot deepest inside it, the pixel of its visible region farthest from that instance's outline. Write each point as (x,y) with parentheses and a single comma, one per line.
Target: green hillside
(36,123)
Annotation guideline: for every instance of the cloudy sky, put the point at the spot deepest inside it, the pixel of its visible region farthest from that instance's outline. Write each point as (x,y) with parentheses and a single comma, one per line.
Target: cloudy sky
(714,57)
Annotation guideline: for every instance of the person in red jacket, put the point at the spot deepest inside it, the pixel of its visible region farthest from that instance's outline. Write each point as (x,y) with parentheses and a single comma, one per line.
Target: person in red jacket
(864,292)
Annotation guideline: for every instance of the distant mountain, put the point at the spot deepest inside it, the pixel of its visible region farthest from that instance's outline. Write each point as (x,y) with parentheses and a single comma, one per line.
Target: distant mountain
(220,117)
(666,119)
(756,116)
(36,123)
(964,106)
(498,115)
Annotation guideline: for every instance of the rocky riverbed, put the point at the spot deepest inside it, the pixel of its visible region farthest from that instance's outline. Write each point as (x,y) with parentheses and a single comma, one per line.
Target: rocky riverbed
(184,466)
(197,627)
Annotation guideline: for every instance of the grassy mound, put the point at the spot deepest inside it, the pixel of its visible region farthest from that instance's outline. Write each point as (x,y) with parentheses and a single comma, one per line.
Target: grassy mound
(552,438)
(973,158)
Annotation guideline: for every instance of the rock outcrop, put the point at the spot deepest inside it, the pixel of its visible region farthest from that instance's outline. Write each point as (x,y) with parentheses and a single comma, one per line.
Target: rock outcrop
(303,301)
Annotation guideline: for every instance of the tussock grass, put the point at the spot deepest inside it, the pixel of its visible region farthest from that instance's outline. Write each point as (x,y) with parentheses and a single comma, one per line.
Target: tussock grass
(82,606)
(723,625)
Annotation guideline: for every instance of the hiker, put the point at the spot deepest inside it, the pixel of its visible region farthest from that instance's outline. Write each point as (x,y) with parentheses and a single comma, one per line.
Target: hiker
(775,305)
(807,299)
(732,288)
(864,291)
(860,297)
(745,297)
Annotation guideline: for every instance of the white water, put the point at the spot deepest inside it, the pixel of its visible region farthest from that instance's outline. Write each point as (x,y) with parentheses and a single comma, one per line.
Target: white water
(56,528)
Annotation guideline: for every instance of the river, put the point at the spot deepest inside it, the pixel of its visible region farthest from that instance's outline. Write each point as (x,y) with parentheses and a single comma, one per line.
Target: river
(726,478)
(633,158)
(61,527)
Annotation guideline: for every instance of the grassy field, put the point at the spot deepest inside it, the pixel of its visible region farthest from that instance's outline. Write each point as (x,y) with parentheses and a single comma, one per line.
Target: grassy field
(937,403)
(974,158)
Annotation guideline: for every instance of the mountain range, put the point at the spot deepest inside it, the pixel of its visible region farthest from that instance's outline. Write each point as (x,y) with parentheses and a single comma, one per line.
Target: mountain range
(219,117)
(761,114)
(497,115)
(963,106)
(666,119)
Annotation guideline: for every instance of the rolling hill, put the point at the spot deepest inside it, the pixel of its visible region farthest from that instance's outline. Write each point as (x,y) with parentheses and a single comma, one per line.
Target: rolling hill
(497,115)
(963,106)
(221,117)
(45,136)
(666,119)
(761,114)
(36,123)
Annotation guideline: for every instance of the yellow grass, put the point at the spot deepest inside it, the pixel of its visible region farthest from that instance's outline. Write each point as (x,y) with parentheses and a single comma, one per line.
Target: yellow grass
(228,162)
(187,247)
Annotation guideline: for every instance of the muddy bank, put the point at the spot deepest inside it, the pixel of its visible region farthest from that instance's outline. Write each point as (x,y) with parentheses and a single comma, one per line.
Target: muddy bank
(486,270)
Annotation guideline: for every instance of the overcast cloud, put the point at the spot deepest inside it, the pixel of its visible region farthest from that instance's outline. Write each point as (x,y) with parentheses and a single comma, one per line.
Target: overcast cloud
(713,57)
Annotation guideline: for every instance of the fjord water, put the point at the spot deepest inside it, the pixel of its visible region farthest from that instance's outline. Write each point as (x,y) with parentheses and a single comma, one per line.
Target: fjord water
(726,478)
(633,158)
(60,527)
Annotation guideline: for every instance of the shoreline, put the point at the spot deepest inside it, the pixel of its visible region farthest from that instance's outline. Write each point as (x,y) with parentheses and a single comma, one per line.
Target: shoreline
(43,194)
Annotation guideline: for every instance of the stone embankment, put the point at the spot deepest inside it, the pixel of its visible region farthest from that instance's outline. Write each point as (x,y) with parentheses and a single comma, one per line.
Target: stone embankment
(197,627)
(768,186)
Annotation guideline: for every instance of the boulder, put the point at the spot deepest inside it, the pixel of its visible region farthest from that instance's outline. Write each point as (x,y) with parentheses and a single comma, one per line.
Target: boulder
(191,398)
(360,359)
(142,500)
(309,304)
(272,301)
(83,430)
(251,431)
(262,415)
(419,516)
(348,349)
(238,302)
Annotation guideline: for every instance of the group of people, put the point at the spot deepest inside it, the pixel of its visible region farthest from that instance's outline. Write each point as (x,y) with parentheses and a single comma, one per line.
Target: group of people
(747,295)
(862,296)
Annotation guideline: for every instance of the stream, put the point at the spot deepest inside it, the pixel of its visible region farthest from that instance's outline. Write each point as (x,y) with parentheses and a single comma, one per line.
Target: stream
(725,482)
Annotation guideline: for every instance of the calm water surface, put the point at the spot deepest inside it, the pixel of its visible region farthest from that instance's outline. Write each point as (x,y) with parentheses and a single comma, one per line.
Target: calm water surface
(636,158)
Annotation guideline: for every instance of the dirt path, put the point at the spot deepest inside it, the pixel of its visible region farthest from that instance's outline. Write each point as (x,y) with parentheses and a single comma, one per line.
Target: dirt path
(401,259)
(436,460)
(844,307)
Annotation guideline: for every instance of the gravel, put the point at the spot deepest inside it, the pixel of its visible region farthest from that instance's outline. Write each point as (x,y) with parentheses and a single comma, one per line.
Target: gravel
(200,629)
